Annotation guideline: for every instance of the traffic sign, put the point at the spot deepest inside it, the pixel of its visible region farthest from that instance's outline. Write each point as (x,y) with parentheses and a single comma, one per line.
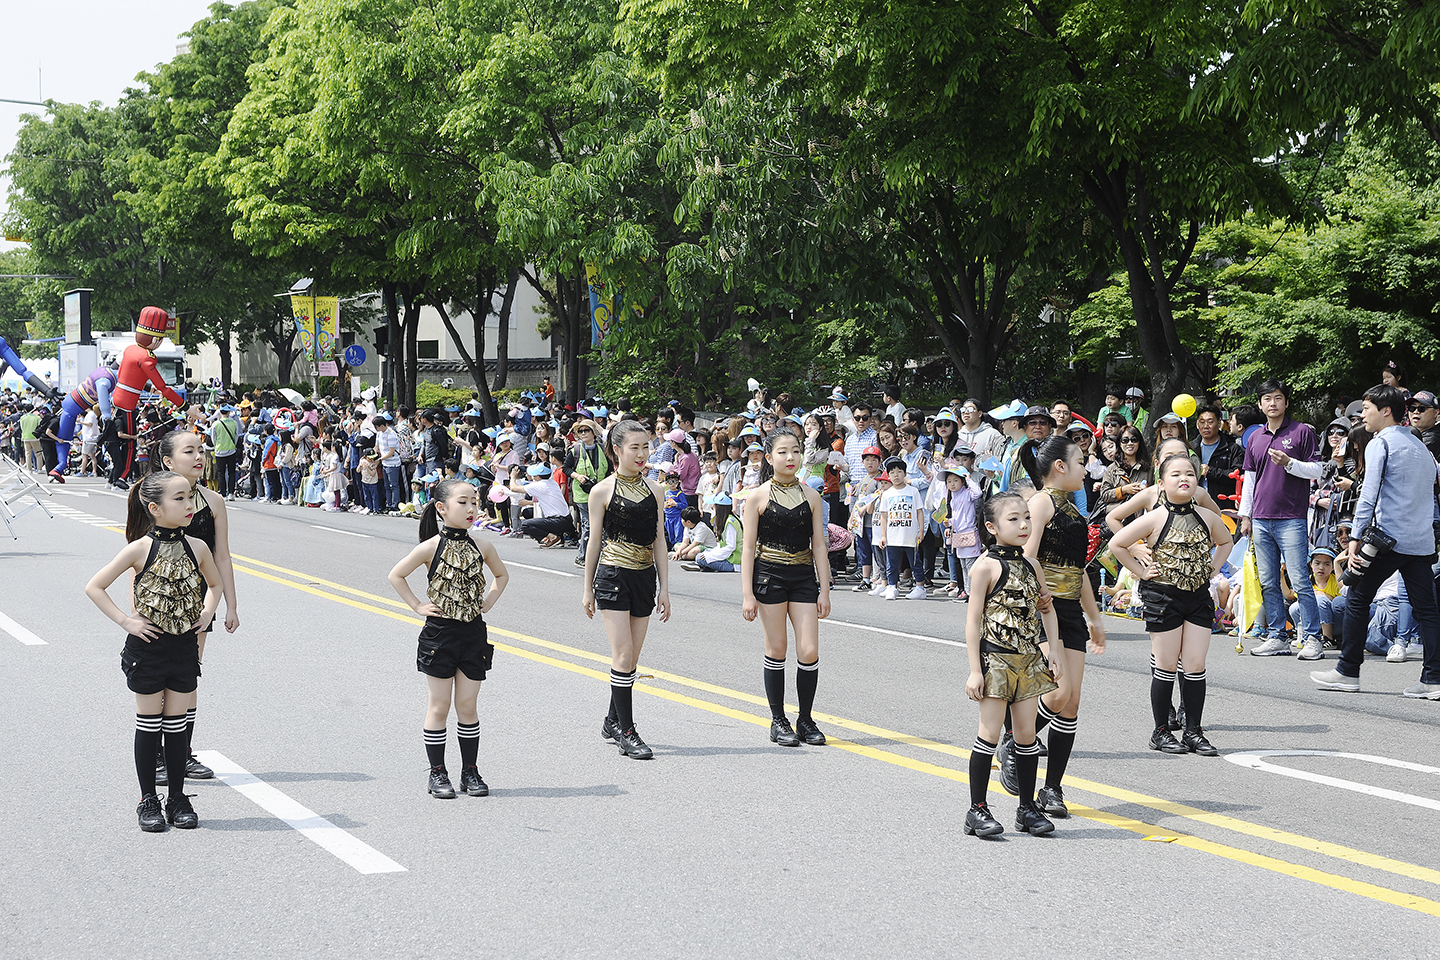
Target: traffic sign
(355,355)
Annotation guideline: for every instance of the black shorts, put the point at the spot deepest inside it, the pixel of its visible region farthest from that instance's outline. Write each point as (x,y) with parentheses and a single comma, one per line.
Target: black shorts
(450,645)
(169,662)
(1074,633)
(1169,608)
(785,582)
(620,588)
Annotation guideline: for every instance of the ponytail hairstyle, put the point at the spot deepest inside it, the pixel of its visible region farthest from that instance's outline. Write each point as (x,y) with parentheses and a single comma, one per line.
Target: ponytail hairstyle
(767,470)
(440,492)
(1040,456)
(615,439)
(138,520)
(990,510)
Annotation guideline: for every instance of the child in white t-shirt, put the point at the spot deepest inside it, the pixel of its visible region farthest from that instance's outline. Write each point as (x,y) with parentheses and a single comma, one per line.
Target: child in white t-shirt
(900,519)
(698,537)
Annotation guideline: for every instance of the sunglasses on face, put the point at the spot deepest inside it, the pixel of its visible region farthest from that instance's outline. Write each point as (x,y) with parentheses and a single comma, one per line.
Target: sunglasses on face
(860,419)
(1416,407)
(1130,441)
(1338,433)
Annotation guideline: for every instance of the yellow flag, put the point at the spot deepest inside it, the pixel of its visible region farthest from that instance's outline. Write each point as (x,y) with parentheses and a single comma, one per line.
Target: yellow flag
(1253,595)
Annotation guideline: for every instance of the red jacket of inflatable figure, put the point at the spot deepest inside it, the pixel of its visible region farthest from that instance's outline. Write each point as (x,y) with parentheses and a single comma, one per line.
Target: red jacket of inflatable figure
(137,363)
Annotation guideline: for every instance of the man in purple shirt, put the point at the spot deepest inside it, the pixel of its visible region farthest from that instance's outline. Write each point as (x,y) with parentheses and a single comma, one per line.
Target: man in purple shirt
(1279,465)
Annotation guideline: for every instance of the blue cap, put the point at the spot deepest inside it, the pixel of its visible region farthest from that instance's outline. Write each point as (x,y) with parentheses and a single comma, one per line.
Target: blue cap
(1013,410)
(754,448)
(894,462)
(797,412)
(795,418)
(538,470)
(491,432)
(945,414)
(723,501)
(837,395)
(452,409)
(989,463)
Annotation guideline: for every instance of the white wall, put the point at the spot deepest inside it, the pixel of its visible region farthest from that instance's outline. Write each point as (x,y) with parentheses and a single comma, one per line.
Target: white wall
(525,339)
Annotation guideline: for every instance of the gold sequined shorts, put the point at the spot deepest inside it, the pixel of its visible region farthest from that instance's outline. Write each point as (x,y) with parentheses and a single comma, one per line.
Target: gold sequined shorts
(1013,677)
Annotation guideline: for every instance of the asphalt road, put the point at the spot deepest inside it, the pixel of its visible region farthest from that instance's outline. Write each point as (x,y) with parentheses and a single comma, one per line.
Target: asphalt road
(724,845)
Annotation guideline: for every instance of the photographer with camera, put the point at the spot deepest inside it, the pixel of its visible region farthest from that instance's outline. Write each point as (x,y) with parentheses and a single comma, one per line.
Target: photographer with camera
(1394,531)
(585,465)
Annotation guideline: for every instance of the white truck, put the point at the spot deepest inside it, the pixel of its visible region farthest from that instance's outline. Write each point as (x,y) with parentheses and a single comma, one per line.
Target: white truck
(169,359)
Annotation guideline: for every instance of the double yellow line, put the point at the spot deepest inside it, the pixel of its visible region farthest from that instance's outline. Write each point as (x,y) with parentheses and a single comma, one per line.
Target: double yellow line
(387,607)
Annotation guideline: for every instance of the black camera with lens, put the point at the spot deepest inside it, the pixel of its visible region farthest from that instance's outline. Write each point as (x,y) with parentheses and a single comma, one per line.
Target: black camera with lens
(1373,543)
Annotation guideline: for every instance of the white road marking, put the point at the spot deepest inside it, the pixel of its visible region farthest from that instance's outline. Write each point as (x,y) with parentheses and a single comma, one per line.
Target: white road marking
(348,533)
(71,513)
(526,566)
(1254,760)
(356,853)
(20,633)
(71,493)
(895,633)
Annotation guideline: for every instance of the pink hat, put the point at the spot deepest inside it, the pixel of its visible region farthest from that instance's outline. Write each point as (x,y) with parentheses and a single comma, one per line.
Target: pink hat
(676,435)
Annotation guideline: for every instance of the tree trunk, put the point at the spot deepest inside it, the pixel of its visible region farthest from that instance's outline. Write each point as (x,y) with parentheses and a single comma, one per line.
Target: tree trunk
(392,333)
(227,359)
(1142,252)
(411,346)
(502,333)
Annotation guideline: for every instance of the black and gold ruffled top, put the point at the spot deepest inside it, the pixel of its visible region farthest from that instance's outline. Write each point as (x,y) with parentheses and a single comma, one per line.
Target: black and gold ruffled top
(631,522)
(457,576)
(1011,622)
(170,592)
(786,530)
(1182,551)
(1063,547)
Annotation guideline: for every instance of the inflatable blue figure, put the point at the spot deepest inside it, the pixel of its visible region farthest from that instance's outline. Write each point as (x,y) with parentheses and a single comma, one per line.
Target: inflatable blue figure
(9,358)
(93,391)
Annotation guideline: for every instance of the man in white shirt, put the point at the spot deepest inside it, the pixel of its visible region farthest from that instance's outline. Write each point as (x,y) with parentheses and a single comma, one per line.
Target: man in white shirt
(553,524)
(978,435)
(387,445)
(89,443)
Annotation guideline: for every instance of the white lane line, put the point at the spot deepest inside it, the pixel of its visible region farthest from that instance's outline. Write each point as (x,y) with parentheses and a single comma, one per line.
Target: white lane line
(356,853)
(895,633)
(526,566)
(348,533)
(1254,760)
(20,633)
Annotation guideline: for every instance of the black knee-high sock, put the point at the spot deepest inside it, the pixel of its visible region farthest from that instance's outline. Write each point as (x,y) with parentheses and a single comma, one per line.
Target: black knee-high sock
(147,742)
(981,755)
(469,734)
(806,679)
(1044,716)
(189,732)
(775,687)
(1009,725)
(1027,765)
(621,690)
(1152,673)
(435,746)
(1062,741)
(1192,696)
(1162,688)
(177,750)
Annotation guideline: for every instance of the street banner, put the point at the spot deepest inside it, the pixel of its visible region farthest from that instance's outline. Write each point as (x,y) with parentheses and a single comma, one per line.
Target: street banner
(602,307)
(304,315)
(317,320)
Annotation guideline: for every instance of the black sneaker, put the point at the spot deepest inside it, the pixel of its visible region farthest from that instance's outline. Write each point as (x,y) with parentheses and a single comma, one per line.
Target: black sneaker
(1052,801)
(440,787)
(1029,819)
(609,729)
(472,783)
(1174,722)
(808,732)
(1195,742)
(781,733)
(633,747)
(195,770)
(862,586)
(1009,775)
(152,819)
(980,823)
(179,812)
(1164,741)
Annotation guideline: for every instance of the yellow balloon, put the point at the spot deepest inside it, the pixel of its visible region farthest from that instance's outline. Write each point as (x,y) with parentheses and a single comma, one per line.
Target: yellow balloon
(1183,405)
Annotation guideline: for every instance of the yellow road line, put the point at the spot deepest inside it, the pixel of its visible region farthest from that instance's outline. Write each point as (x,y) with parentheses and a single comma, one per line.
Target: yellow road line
(1362,858)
